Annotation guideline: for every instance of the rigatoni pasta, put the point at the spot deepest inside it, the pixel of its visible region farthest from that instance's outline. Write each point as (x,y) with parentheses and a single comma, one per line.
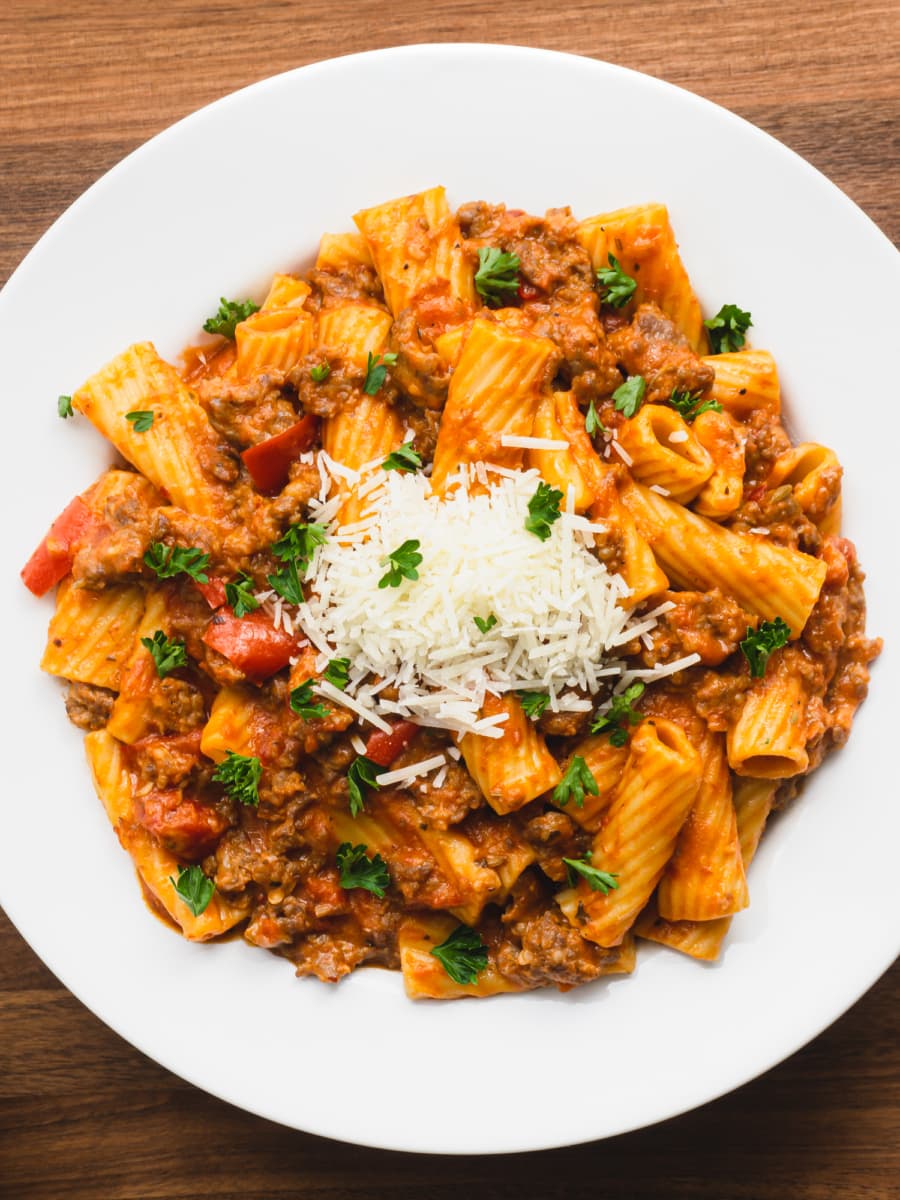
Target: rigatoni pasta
(456,611)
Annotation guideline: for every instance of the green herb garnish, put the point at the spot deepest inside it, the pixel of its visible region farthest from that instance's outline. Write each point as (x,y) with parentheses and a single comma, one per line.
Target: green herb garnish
(194,888)
(359,871)
(533,703)
(376,371)
(168,561)
(167,655)
(320,372)
(577,780)
(619,286)
(362,774)
(240,775)
(401,564)
(231,313)
(543,510)
(620,715)
(690,406)
(463,955)
(338,673)
(592,422)
(239,594)
(485,624)
(497,275)
(64,407)
(760,643)
(727,328)
(403,459)
(597,881)
(629,395)
(141,420)
(303,704)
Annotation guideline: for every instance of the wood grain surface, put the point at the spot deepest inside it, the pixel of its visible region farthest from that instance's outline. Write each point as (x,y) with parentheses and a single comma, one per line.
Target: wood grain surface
(82,1114)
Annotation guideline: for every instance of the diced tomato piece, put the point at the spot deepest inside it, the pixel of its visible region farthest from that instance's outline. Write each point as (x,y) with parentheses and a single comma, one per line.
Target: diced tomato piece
(212,592)
(52,560)
(528,291)
(383,748)
(187,827)
(269,461)
(251,642)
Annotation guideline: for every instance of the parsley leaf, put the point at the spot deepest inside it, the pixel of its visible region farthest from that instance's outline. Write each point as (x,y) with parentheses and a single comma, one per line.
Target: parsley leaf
(628,397)
(543,510)
(141,419)
(463,955)
(727,328)
(616,720)
(286,583)
(401,563)
(619,286)
(168,561)
(403,459)
(592,422)
(338,672)
(533,703)
(239,594)
(497,274)
(485,624)
(231,313)
(303,704)
(64,407)
(376,371)
(689,405)
(298,543)
(359,871)
(597,881)
(362,774)
(757,646)
(577,780)
(320,372)
(167,655)
(194,888)
(240,775)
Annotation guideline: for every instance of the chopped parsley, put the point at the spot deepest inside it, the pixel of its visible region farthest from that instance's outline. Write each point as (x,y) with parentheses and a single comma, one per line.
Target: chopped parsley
(303,704)
(485,624)
(577,780)
(168,561)
(619,286)
(240,775)
(463,955)
(401,563)
(362,774)
(359,871)
(239,594)
(403,459)
(592,422)
(759,644)
(620,715)
(629,395)
(320,372)
(231,313)
(727,328)
(690,406)
(194,888)
(338,672)
(533,703)
(166,655)
(376,371)
(286,583)
(298,544)
(497,275)
(64,407)
(597,880)
(543,510)
(141,419)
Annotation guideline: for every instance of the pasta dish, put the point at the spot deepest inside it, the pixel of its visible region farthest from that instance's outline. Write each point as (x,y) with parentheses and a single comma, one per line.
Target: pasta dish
(463,607)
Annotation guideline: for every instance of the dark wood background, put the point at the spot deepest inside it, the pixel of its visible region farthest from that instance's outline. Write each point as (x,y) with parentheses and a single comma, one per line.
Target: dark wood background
(82,1114)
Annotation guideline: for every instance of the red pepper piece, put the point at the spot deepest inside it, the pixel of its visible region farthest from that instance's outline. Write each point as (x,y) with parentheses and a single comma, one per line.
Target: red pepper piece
(251,642)
(269,461)
(213,592)
(52,560)
(383,748)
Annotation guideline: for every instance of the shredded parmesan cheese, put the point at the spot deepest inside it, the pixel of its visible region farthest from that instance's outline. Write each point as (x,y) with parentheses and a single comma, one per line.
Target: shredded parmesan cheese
(532,443)
(558,614)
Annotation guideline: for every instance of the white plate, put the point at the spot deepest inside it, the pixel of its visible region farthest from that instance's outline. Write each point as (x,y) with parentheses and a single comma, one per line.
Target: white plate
(213,207)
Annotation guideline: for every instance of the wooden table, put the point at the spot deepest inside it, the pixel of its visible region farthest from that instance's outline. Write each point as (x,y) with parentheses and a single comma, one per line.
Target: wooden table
(82,1114)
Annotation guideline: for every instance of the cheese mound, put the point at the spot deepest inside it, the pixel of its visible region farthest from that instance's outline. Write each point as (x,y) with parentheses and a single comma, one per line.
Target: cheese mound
(558,624)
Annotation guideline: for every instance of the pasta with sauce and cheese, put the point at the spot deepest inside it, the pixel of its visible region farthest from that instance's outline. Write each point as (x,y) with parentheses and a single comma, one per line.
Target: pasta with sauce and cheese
(462,608)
